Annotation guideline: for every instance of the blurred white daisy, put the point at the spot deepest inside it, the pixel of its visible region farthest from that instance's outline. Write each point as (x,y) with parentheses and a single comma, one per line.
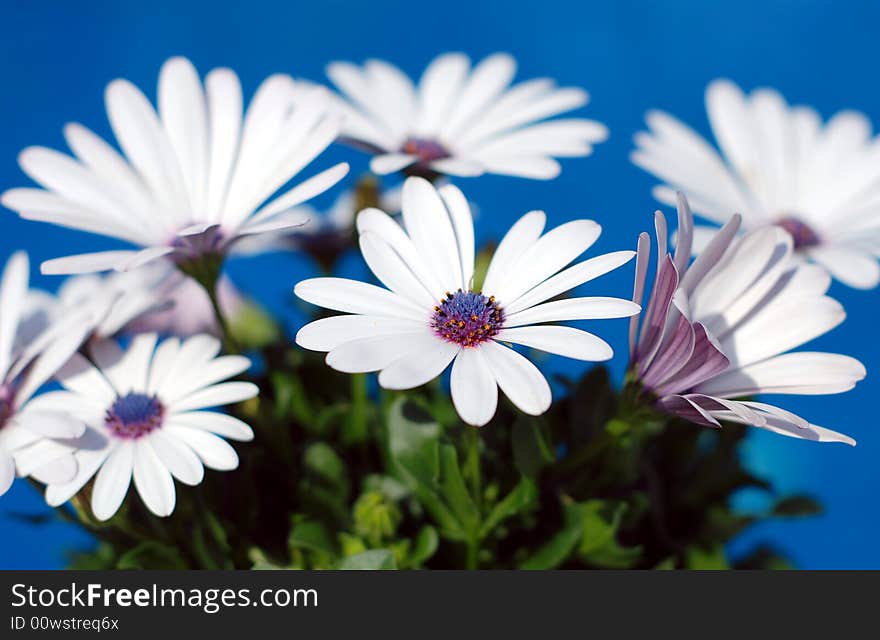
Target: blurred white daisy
(724,327)
(430,315)
(461,121)
(32,348)
(144,407)
(195,175)
(779,165)
(116,300)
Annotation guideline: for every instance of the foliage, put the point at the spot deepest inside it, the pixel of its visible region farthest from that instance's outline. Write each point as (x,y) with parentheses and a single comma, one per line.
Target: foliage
(341,476)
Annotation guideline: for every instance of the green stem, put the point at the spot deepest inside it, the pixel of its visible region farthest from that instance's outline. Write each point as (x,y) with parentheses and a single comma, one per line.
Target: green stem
(472,560)
(472,468)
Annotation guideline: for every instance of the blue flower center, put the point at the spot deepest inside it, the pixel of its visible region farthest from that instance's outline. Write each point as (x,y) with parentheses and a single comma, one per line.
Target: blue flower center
(467,318)
(426,150)
(802,234)
(134,415)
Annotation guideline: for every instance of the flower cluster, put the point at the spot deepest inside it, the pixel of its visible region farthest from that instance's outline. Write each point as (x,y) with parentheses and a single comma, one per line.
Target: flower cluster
(119,377)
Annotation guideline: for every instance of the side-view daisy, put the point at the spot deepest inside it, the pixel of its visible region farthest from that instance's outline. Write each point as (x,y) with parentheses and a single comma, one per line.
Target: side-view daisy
(720,330)
(145,411)
(195,174)
(431,314)
(461,121)
(32,348)
(779,165)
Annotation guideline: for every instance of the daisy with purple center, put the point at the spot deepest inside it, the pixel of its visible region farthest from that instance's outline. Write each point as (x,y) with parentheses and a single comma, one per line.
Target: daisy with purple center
(431,315)
(721,329)
(195,175)
(145,408)
(461,121)
(778,165)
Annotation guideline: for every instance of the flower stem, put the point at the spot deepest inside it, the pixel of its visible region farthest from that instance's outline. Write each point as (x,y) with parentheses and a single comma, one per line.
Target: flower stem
(472,467)
(206,271)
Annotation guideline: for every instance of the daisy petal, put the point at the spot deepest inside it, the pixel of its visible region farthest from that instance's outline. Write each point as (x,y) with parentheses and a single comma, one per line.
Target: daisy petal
(214,452)
(518,378)
(152,480)
(112,480)
(473,387)
(413,371)
(564,341)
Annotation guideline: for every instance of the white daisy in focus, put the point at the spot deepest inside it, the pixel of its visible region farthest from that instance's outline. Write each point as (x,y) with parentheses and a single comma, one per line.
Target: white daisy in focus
(32,348)
(461,121)
(431,316)
(195,175)
(145,411)
(779,165)
(721,329)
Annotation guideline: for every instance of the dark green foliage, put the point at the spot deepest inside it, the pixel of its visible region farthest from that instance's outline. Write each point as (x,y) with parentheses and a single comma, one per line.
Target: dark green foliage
(341,477)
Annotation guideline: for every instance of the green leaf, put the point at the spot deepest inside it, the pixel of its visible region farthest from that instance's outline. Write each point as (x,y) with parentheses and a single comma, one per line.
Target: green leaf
(562,544)
(312,536)
(426,544)
(414,447)
(530,450)
(599,545)
(375,559)
(521,498)
(796,506)
(413,441)
(322,460)
(151,555)
(706,559)
(456,492)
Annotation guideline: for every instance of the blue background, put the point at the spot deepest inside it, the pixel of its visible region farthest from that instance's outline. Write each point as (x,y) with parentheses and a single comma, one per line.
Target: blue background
(56,58)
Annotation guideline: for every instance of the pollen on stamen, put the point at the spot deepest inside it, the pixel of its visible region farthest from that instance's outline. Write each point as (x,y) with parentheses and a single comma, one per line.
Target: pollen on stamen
(134,415)
(467,318)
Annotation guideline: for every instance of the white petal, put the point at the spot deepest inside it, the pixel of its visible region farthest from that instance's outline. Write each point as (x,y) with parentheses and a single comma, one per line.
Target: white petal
(412,371)
(391,270)
(802,372)
(87,262)
(58,471)
(12,298)
(152,480)
(7,472)
(126,370)
(428,224)
(351,296)
(535,167)
(473,387)
(328,333)
(214,452)
(522,235)
(177,457)
(223,93)
(438,91)
(569,279)
(218,423)
(112,480)
(377,352)
(212,372)
(853,268)
(88,461)
(463,225)
(216,395)
(593,308)
(391,162)
(78,375)
(564,341)
(518,378)
(51,424)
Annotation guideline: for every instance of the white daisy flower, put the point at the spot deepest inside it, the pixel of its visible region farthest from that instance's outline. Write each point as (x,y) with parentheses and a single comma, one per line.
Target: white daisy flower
(144,407)
(461,121)
(32,348)
(779,165)
(116,300)
(430,315)
(195,175)
(724,326)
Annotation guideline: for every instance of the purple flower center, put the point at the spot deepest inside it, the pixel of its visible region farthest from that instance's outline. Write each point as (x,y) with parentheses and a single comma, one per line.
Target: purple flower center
(134,415)
(467,318)
(802,234)
(426,150)
(7,403)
